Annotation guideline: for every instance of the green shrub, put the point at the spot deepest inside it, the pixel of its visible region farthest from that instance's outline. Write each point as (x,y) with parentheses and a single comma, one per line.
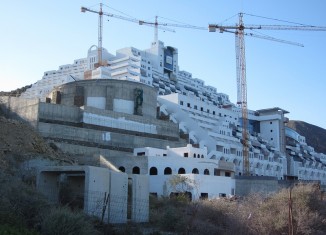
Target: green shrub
(64,221)
(20,204)
(6,229)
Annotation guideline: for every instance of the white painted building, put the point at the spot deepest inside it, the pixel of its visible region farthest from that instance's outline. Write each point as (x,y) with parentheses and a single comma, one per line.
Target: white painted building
(218,129)
(305,164)
(206,178)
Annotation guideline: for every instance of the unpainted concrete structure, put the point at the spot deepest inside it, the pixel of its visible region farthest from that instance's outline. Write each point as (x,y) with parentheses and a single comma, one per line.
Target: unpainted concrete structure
(245,185)
(98,191)
(97,117)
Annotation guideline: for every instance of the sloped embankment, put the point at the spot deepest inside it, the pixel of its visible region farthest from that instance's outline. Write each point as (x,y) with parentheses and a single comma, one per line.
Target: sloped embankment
(20,142)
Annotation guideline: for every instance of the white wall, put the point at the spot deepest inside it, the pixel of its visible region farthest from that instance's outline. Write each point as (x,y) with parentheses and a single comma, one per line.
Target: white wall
(96,102)
(123,106)
(213,185)
(270,131)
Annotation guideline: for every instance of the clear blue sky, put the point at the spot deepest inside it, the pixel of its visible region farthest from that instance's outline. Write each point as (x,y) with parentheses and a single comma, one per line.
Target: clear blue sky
(37,36)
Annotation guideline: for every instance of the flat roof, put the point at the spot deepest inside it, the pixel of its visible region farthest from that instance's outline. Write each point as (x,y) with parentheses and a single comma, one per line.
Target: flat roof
(272,110)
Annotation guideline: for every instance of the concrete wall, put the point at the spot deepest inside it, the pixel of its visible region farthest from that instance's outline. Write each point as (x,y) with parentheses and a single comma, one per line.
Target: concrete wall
(60,113)
(76,140)
(105,192)
(111,90)
(246,185)
(163,127)
(140,198)
(97,188)
(74,114)
(22,109)
(118,197)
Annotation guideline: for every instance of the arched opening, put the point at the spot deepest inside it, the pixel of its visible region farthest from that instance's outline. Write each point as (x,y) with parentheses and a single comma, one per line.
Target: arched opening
(167,171)
(122,169)
(194,155)
(153,171)
(202,156)
(136,170)
(195,171)
(206,172)
(198,156)
(181,171)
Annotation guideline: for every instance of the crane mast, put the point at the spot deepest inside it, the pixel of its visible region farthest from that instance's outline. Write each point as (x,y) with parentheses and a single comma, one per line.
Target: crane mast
(100,32)
(242,91)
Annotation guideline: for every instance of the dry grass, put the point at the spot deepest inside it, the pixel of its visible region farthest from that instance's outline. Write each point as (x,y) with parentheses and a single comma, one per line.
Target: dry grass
(251,215)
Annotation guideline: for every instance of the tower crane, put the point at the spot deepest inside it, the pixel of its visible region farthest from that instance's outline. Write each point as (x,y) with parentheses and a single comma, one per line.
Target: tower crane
(100,27)
(157,25)
(100,31)
(239,31)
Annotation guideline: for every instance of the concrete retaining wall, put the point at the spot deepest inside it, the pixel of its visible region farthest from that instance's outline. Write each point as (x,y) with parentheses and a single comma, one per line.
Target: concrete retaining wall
(60,112)
(245,185)
(83,137)
(163,127)
(21,109)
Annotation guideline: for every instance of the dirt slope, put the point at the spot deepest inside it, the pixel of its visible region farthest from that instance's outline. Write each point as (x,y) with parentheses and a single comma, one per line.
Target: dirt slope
(19,142)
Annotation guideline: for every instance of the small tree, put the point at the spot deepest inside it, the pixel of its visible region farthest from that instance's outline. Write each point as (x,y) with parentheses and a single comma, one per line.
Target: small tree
(182,186)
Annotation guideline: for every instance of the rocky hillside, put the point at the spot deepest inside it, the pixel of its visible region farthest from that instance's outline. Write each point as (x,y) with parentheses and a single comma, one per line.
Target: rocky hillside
(315,136)
(16,92)
(20,142)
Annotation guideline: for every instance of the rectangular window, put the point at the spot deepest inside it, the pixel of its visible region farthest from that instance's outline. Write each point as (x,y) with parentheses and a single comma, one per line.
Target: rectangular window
(185,154)
(203,196)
